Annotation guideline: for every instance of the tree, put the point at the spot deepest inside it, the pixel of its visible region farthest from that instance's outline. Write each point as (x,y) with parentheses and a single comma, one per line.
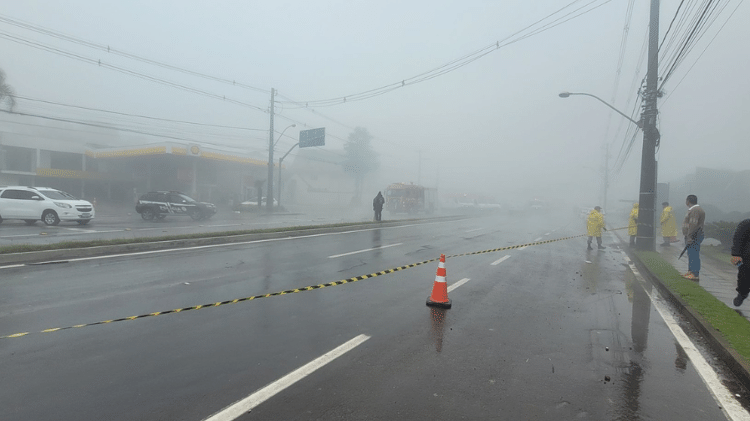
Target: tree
(7,94)
(360,159)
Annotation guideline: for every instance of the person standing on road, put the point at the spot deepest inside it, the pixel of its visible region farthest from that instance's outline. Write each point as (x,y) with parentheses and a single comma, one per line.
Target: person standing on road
(668,225)
(633,224)
(692,229)
(594,226)
(740,255)
(377,205)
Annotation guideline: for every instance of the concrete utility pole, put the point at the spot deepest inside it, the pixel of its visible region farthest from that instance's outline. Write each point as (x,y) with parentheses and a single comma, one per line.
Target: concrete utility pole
(606,175)
(269,191)
(647,199)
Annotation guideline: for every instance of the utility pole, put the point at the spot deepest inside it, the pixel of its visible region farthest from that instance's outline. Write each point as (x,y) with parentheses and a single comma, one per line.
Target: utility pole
(606,174)
(419,169)
(269,191)
(647,199)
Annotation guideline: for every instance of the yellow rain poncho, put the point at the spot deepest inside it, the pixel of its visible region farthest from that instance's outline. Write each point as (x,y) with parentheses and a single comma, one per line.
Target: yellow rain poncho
(668,223)
(594,223)
(633,221)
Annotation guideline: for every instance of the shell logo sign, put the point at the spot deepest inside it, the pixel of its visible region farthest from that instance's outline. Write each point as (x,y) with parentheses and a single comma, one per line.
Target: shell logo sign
(195,150)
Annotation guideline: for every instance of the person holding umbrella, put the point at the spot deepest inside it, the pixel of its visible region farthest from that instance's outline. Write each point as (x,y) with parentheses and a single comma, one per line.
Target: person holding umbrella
(692,229)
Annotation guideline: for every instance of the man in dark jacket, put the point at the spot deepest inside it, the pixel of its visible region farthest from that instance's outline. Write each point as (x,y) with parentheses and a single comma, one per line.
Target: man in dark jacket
(377,205)
(740,255)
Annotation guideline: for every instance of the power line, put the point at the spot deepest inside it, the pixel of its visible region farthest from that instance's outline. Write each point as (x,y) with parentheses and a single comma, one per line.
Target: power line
(671,23)
(456,63)
(704,50)
(49,32)
(144,76)
(703,19)
(137,115)
(623,47)
(105,126)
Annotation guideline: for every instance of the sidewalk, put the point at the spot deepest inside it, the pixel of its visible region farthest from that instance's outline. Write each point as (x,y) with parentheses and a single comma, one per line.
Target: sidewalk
(717,279)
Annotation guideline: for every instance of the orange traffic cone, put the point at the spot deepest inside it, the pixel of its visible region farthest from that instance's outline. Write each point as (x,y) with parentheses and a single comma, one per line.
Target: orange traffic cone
(439,297)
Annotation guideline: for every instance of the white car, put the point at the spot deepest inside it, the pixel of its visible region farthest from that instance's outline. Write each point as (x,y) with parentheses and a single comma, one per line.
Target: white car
(49,205)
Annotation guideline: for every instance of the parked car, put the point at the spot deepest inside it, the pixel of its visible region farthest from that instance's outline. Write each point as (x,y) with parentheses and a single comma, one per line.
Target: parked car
(159,204)
(49,205)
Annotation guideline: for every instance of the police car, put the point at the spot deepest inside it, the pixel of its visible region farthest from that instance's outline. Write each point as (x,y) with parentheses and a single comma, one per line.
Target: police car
(159,204)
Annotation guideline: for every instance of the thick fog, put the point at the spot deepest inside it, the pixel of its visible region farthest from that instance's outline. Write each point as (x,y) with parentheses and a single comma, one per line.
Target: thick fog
(494,127)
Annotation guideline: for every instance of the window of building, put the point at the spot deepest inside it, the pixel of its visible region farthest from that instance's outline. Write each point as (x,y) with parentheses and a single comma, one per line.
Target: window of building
(19,159)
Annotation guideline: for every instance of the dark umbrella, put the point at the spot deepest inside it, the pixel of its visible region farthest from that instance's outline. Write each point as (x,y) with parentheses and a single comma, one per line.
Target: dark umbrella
(684,250)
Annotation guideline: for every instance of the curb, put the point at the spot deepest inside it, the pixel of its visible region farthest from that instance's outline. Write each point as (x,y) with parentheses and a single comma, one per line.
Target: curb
(737,364)
(49,256)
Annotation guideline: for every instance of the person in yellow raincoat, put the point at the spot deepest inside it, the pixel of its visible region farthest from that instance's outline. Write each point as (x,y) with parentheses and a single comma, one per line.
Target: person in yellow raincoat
(594,227)
(668,225)
(633,224)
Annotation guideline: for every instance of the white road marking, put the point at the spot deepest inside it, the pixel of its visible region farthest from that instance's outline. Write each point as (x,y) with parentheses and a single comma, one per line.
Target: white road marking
(76,230)
(241,243)
(724,398)
(13,266)
(83,230)
(365,250)
(500,260)
(546,234)
(20,235)
(538,239)
(458,284)
(245,405)
(476,229)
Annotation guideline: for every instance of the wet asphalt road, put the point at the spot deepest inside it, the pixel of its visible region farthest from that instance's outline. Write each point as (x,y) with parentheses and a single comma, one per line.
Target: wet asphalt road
(534,336)
(121,224)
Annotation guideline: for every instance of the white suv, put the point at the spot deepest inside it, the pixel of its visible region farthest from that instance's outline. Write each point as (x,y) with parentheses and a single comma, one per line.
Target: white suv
(49,205)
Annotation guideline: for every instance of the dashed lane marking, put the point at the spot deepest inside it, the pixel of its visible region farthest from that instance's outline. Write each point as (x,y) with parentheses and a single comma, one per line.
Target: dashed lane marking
(363,251)
(537,239)
(500,260)
(243,406)
(240,243)
(458,284)
(289,291)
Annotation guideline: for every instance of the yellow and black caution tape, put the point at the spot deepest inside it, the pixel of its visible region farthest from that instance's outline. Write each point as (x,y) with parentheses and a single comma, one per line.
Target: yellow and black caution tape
(290,291)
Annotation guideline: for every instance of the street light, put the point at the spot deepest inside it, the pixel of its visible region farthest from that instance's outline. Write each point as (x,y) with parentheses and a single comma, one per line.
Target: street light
(269,191)
(280,161)
(648,178)
(282,134)
(567,94)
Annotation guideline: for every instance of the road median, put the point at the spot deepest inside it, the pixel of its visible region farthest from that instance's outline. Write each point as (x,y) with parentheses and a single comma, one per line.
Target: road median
(25,254)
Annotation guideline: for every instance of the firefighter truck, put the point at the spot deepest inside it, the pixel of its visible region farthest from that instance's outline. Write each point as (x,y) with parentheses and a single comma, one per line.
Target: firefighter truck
(410,198)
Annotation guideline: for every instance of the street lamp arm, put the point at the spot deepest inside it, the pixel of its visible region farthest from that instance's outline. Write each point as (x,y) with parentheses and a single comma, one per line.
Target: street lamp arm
(289,151)
(567,94)
(280,161)
(282,134)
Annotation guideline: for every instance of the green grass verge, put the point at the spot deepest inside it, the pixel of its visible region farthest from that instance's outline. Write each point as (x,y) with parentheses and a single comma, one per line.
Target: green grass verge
(138,240)
(731,325)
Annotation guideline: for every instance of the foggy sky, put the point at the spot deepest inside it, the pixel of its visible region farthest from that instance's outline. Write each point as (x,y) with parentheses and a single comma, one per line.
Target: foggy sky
(494,127)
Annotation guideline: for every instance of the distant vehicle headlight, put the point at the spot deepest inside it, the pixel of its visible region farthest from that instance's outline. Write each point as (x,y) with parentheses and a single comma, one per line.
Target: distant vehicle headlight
(63,205)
